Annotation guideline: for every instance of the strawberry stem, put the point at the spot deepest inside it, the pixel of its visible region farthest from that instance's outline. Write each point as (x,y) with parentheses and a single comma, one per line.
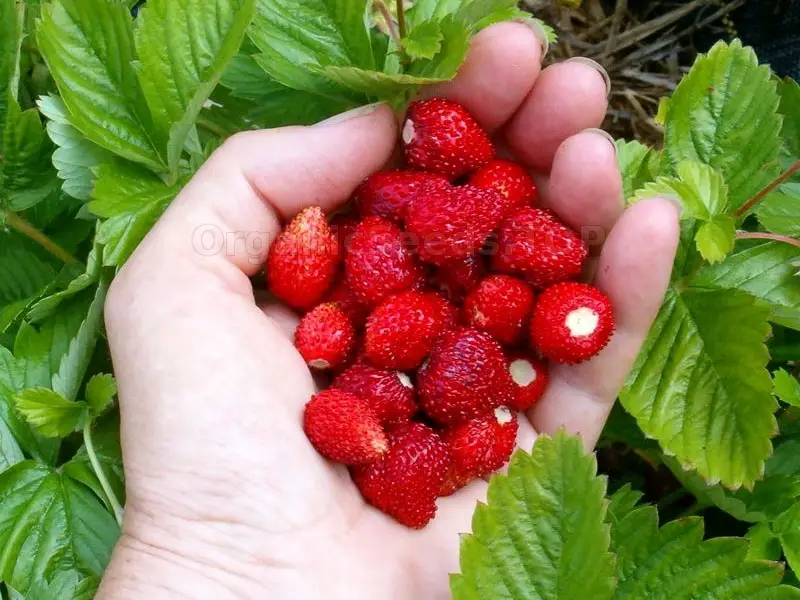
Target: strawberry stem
(747,206)
(758,235)
(101,476)
(401,17)
(15,221)
(387,16)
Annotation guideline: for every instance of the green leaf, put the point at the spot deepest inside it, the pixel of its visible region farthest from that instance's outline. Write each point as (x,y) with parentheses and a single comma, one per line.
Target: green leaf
(25,267)
(674,563)
(377,84)
(763,543)
(311,35)
(700,188)
(12,16)
(88,46)
(64,585)
(789,91)
(542,534)
(638,164)
(787,528)
(780,213)
(183,47)
(715,239)
(786,387)
(446,64)
(704,364)
(75,156)
(50,523)
(131,200)
(100,392)
(51,414)
(424,40)
(765,271)
(727,102)
(622,503)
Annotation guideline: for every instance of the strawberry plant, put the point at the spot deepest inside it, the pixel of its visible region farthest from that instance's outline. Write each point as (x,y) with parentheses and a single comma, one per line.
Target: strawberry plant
(104,117)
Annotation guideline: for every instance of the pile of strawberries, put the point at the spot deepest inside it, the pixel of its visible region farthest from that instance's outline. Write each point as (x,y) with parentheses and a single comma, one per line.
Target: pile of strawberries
(434,306)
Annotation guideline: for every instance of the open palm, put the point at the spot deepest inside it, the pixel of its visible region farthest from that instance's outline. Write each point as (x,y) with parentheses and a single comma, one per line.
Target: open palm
(225,496)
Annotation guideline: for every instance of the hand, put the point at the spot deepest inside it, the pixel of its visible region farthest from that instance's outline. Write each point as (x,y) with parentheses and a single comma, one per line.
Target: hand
(225,496)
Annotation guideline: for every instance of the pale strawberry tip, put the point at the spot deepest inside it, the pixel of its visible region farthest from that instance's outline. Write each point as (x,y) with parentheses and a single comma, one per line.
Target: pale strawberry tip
(522,372)
(582,322)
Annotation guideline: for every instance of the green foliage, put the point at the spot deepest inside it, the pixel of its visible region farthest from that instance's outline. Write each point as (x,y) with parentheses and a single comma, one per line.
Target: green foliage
(129,109)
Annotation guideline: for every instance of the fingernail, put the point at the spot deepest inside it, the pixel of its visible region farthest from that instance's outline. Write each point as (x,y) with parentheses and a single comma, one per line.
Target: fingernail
(604,134)
(361,111)
(596,66)
(539,32)
(675,201)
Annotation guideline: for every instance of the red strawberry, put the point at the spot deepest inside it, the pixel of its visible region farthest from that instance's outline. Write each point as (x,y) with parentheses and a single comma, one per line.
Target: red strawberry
(456,279)
(346,300)
(343,226)
(303,260)
(389,393)
(378,262)
(343,428)
(530,376)
(451,223)
(465,376)
(405,483)
(508,178)
(501,306)
(325,337)
(481,446)
(402,330)
(572,322)
(442,137)
(387,193)
(533,242)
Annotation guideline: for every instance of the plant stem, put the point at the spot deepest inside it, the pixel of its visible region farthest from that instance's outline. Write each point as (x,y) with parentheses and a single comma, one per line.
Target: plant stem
(693,510)
(211,127)
(758,235)
(745,208)
(387,15)
(401,17)
(101,476)
(25,228)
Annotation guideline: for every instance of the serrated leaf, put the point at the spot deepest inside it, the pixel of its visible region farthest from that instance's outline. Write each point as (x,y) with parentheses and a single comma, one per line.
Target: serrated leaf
(25,267)
(445,65)
(727,102)
(780,213)
(622,503)
(424,40)
(12,17)
(88,46)
(75,156)
(704,364)
(638,164)
(100,391)
(787,528)
(183,47)
(700,188)
(554,501)
(64,585)
(377,84)
(50,523)
(49,413)
(311,34)
(765,271)
(789,91)
(786,387)
(715,239)
(763,543)
(131,200)
(674,563)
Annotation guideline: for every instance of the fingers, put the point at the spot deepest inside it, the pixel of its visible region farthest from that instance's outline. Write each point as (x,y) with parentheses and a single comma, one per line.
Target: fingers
(501,68)
(585,186)
(634,271)
(567,98)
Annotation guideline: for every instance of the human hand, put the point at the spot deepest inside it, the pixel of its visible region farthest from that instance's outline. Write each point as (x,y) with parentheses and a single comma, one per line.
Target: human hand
(226,498)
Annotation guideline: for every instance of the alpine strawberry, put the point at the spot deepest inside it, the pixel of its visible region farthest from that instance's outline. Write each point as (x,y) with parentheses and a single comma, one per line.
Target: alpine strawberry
(501,306)
(405,483)
(325,337)
(343,428)
(534,243)
(465,376)
(508,178)
(389,393)
(572,322)
(386,194)
(341,295)
(456,279)
(530,376)
(303,260)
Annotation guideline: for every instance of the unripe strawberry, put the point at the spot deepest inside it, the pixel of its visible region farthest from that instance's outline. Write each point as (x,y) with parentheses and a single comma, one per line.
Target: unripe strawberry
(325,337)
(534,243)
(440,136)
(456,279)
(386,194)
(530,376)
(466,376)
(572,322)
(405,483)
(343,428)
(508,178)
(303,260)
(501,306)
(451,223)
(389,393)
(402,330)
(480,446)
(379,263)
